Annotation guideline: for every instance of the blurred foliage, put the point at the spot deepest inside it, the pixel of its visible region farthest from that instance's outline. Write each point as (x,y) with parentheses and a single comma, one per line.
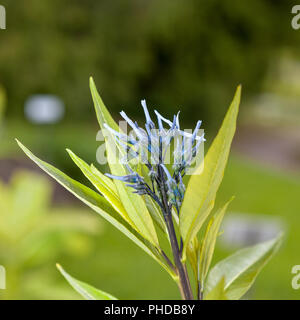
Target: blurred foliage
(2,102)
(278,105)
(174,53)
(33,237)
(260,190)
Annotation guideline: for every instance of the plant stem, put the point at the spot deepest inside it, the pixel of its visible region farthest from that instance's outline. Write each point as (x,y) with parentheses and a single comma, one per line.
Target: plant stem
(169,262)
(183,276)
(184,282)
(199,291)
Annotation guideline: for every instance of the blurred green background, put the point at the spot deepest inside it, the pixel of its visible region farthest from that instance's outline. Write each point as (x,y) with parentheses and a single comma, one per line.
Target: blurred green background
(179,55)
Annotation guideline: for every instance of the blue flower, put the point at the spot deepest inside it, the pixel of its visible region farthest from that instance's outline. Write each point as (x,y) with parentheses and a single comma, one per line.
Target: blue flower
(151,147)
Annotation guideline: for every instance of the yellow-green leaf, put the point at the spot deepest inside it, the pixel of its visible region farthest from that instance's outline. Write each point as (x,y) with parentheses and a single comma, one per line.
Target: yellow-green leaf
(151,205)
(193,256)
(85,290)
(202,187)
(107,182)
(102,113)
(209,242)
(218,292)
(241,269)
(99,204)
(101,186)
(155,213)
(133,203)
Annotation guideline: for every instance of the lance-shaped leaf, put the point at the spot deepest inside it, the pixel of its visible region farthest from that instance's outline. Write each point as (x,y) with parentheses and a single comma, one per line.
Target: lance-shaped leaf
(101,186)
(155,213)
(193,254)
(102,113)
(85,290)
(202,188)
(107,182)
(133,203)
(152,207)
(209,242)
(241,268)
(101,206)
(218,292)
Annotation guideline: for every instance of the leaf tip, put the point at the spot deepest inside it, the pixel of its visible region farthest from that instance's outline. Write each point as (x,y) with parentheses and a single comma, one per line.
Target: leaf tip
(238,91)
(21,145)
(91,80)
(18,142)
(70,152)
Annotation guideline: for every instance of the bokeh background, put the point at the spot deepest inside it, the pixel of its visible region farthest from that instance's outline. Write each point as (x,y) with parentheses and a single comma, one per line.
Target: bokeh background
(179,55)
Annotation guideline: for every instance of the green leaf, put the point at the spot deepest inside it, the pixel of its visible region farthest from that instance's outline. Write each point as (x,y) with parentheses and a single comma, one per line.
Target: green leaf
(87,291)
(151,205)
(31,195)
(202,187)
(102,113)
(193,254)
(241,268)
(209,242)
(101,206)
(108,183)
(133,203)
(218,292)
(102,186)
(155,213)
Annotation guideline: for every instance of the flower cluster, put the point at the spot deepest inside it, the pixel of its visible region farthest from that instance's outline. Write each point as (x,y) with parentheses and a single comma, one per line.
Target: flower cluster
(152,147)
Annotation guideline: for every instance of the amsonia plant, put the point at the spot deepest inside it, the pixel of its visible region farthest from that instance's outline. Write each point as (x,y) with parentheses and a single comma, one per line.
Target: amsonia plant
(146,198)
